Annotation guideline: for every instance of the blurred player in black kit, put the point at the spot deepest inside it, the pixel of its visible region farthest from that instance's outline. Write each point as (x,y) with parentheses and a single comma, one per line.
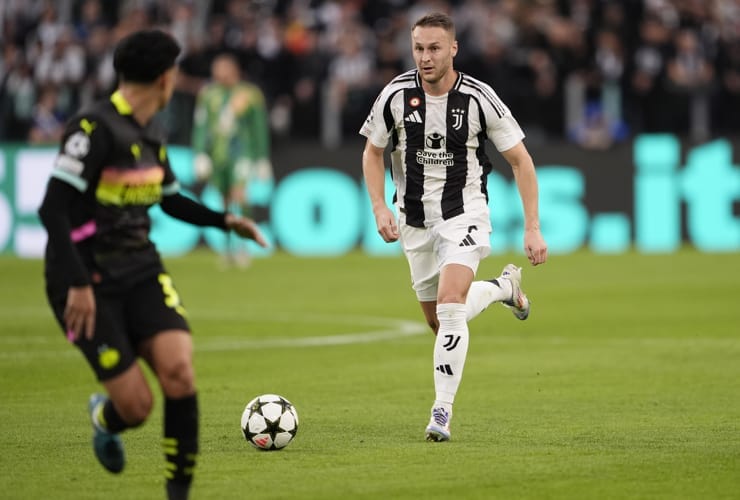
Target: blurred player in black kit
(105,280)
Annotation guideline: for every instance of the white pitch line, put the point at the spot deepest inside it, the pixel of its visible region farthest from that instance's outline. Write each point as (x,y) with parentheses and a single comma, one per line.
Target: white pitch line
(403,329)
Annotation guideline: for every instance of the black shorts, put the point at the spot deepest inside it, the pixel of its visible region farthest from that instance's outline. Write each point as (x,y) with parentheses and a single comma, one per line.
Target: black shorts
(123,320)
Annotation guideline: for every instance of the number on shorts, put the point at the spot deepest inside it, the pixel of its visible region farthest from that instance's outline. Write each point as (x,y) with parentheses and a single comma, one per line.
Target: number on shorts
(171,297)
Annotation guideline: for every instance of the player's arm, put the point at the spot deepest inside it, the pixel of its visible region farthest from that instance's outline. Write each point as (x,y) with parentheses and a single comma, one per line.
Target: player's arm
(54,215)
(254,135)
(254,138)
(261,138)
(84,146)
(181,207)
(526,182)
(192,212)
(79,312)
(373,170)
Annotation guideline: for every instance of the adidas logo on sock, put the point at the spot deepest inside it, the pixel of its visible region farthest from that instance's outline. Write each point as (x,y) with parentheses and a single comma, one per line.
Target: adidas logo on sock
(446,369)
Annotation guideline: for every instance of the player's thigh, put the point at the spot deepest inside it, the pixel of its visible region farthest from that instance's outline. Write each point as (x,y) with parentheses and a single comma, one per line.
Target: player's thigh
(163,338)
(464,240)
(170,355)
(454,282)
(152,306)
(419,248)
(110,351)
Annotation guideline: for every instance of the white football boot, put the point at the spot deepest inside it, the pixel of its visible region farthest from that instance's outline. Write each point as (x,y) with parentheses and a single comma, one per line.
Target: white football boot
(519,303)
(439,425)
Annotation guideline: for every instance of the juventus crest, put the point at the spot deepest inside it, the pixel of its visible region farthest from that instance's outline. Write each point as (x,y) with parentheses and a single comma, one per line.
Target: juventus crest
(457,115)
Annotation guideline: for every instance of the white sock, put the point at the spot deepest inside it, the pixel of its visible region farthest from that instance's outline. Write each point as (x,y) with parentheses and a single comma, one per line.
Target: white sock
(450,350)
(484,293)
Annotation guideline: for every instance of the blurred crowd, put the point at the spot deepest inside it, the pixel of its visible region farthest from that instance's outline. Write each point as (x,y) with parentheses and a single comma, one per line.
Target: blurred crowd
(591,71)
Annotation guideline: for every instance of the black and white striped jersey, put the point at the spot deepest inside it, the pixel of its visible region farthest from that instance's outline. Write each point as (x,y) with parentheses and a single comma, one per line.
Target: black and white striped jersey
(438,160)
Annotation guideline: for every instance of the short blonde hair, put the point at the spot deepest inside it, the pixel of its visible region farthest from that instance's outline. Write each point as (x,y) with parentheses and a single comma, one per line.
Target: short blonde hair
(438,20)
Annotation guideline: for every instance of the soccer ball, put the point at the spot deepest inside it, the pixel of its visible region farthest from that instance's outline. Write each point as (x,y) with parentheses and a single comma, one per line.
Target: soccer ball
(269,422)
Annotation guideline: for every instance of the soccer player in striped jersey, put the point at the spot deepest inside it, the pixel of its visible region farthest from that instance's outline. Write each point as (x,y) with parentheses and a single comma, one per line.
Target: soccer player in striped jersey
(437,120)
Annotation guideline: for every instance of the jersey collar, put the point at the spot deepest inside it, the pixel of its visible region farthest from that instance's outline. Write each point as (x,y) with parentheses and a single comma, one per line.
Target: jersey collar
(458,82)
(455,86)
(120,103)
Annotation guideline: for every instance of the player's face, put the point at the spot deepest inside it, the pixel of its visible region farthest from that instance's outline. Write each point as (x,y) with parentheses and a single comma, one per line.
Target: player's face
(225,71)
(433,48)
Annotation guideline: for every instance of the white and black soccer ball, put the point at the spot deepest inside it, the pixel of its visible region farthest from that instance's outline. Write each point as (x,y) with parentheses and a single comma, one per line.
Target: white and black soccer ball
(269,422)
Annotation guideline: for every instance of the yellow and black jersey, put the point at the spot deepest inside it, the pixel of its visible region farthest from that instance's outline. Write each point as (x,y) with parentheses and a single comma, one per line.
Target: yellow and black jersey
(109,171)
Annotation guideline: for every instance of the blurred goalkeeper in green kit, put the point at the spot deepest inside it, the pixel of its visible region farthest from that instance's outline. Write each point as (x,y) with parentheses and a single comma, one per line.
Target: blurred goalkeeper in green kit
(231,141)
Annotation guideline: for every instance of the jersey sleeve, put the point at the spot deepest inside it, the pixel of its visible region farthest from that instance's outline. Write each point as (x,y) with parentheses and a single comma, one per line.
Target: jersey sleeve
(379,123)
(54,215)
(255,134)
(170,184)
(262,131)
(84,146)
(183,208)
(501,126)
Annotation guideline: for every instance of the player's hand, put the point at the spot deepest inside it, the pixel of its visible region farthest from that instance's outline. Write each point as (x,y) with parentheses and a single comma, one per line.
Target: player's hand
(386,223)
(79,313)
(534,246)
(246,228)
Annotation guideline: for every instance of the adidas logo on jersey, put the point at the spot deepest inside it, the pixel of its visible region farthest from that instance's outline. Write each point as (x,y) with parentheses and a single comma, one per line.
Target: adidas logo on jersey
(413,117)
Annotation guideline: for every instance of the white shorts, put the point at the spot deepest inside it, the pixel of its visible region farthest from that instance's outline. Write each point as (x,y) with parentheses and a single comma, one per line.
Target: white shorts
(464,239)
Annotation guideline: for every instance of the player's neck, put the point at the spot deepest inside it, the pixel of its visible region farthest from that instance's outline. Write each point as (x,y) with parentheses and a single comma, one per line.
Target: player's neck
(441,86)
(144,102)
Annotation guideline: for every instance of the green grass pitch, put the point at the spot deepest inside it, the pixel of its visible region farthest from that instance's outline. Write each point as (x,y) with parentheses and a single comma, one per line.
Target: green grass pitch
(624,383)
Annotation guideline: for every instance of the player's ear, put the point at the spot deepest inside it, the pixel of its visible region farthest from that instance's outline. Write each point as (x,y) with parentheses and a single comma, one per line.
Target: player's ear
(166,79)
(454,48)
(162,81)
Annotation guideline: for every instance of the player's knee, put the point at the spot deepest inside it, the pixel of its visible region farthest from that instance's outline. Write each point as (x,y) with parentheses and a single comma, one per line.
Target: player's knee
(177,378)
(451,298)
(134,410)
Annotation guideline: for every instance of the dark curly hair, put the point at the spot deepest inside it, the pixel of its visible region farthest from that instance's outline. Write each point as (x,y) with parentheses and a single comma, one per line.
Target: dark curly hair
(143,56)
